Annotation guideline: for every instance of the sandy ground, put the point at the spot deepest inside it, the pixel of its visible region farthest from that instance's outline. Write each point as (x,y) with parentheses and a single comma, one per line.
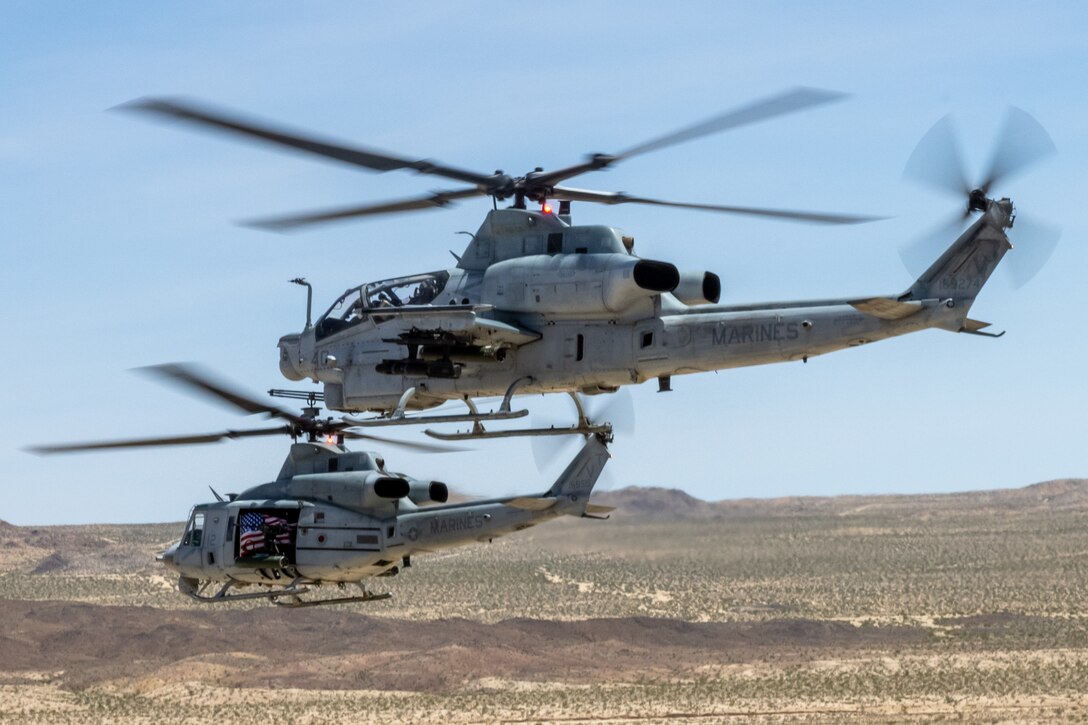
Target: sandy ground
(887,609)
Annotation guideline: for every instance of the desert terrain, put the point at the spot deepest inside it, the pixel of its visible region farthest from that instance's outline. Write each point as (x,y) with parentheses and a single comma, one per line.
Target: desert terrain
(966,607)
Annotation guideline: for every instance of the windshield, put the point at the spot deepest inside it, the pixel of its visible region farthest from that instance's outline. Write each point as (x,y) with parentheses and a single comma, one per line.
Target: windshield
(419,289)
(354,305)
(194,532)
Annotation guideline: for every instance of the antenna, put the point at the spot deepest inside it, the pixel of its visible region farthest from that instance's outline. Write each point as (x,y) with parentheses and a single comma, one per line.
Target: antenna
(309,297)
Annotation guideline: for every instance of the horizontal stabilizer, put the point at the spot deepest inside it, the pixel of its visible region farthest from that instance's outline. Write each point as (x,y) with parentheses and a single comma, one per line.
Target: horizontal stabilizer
(974,327)
(887,309)
(533,503)
(598,510)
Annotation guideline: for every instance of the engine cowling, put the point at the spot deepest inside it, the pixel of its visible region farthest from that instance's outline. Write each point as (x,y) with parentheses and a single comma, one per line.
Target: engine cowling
(362,489)
(421,492)
(647,278)
(576,284)
(391,487)
(698,288)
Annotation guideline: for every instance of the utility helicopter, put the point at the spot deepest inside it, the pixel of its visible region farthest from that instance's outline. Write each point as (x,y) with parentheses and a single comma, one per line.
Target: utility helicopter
(334,516)
(537,304)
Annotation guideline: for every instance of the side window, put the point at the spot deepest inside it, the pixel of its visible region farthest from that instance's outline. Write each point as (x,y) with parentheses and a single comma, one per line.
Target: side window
(194,535)
(555,243)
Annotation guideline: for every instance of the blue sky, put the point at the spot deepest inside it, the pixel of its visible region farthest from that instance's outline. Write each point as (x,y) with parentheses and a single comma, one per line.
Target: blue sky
(119,248)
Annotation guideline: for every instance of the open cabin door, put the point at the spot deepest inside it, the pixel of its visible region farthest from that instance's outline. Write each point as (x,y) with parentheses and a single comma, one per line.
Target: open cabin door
(265,536)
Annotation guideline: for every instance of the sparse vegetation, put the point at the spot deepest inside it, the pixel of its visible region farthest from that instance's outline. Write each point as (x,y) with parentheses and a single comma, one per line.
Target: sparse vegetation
(975,605)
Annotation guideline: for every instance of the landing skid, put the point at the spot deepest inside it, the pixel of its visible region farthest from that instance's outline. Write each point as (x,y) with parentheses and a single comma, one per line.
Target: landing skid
(420,419)
(397,417)
(478,433)
(294,601)
(582,427)
(288,596)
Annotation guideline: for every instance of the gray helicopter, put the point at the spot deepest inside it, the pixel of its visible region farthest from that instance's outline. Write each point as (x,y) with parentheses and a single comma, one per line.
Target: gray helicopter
(333,516)
(537,304)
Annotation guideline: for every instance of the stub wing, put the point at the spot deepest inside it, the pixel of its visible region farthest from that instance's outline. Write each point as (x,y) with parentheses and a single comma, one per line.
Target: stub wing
(457,325)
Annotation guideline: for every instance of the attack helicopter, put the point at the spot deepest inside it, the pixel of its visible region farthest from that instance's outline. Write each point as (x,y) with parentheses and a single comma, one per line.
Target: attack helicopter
(333,516)
(538,304)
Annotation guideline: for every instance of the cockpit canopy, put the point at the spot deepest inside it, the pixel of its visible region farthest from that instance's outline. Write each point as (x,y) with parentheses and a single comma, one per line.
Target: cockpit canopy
(357,303)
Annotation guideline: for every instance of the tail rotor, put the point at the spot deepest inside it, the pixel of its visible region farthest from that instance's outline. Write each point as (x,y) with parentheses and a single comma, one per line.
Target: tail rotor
(615,409)
(937,163)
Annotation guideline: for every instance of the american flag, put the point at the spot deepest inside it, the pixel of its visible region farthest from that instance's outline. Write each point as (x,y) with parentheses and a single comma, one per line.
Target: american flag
(253,525)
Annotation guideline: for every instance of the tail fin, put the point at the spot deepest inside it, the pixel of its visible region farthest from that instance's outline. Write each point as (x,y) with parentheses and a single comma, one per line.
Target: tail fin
(959,274)
(575,483)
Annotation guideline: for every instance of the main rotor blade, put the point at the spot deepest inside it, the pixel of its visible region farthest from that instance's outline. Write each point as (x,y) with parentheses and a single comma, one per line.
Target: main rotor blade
(437,199)
(419,447)
(790,101)
(201,115)
(1022,142)
(936,160)
(615,197)
(155,442)
(188,376)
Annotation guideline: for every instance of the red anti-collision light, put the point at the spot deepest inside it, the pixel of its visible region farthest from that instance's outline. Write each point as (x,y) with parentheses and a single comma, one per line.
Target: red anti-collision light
(547,208)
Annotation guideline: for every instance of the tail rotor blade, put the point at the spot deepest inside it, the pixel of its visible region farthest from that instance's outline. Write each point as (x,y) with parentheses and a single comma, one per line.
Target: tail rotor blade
(919,254)
(1022,142)
(616,408)
(1034,242)
(549,451)
(936,161)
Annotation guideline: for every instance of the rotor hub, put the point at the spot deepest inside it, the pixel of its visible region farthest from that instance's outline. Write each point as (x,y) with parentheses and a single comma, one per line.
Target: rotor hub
(977,201)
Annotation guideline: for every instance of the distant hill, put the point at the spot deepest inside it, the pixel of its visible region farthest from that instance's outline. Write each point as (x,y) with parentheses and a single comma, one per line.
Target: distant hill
(670,503)
(655,502)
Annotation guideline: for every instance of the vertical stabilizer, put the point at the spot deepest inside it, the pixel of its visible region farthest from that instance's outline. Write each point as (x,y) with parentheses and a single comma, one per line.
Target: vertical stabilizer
(575,483)
(960,273)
